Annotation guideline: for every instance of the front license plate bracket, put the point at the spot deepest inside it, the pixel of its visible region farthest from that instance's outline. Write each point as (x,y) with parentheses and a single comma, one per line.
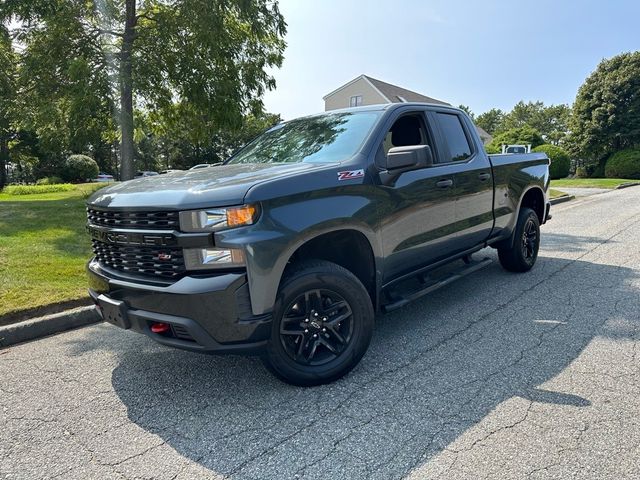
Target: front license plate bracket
(114,311)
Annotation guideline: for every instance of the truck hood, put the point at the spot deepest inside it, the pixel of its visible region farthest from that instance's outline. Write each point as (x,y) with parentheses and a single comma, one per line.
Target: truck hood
(217,186)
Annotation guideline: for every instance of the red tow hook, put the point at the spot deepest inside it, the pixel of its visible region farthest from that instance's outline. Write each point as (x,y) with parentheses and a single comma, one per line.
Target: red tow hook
(160,327)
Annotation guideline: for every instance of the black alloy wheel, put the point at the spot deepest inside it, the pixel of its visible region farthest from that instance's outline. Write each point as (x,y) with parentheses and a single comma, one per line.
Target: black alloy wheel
(322,324)
(316,327)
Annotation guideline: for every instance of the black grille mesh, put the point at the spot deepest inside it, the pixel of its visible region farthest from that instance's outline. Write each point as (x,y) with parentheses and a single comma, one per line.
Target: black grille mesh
(142,220)
(163,262)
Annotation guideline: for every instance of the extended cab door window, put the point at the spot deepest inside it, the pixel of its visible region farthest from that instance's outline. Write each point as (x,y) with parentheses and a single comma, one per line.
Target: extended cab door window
(455,138)
(471,173)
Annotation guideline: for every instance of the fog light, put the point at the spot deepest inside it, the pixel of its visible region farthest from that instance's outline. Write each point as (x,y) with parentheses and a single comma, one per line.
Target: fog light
(207,258)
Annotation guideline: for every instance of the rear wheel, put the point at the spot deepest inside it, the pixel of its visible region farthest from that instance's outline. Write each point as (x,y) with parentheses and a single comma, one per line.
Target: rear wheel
(322,326)
(523,253)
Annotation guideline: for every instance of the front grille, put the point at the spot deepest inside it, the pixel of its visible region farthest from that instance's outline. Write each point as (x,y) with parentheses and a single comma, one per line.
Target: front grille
(143,220)
(163,262)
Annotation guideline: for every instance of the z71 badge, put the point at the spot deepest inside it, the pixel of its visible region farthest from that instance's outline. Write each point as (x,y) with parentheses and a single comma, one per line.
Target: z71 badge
(350,174)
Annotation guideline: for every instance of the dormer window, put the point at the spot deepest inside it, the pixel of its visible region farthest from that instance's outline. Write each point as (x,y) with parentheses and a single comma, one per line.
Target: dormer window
(355,101)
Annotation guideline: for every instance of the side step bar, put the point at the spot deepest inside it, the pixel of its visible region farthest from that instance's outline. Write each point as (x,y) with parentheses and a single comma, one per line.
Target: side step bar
(400,300)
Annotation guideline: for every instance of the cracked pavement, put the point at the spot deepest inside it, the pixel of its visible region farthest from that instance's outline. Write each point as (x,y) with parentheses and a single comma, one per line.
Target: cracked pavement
(498,375)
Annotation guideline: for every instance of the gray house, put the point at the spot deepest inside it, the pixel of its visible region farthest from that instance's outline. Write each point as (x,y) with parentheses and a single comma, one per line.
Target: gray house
(365,90)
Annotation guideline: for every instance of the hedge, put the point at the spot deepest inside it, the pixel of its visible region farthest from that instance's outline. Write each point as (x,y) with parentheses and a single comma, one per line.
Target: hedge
(624,164)
(33,189)
(560,161)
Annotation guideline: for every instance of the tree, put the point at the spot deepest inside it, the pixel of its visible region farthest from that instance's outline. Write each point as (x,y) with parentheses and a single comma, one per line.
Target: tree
(606,113)
(468,111)
(516,136)
(7,94)
(491,120)
(174,138)
(211,56)
(551,121)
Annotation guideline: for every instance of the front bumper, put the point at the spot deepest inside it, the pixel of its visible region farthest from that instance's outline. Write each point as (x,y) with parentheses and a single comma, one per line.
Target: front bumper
(206,313)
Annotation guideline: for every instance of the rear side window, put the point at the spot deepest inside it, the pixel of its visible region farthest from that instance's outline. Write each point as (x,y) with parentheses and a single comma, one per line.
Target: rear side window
(454,136)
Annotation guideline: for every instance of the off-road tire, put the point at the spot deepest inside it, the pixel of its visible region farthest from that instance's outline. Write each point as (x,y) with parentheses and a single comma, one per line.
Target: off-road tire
(323,284)
(522,254)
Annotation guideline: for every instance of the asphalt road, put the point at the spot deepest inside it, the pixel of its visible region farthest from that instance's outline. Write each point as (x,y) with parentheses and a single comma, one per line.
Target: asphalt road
(499,375)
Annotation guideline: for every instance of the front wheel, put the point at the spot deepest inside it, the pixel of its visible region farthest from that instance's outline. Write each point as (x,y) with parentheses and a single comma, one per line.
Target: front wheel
(322,325)
(522,254)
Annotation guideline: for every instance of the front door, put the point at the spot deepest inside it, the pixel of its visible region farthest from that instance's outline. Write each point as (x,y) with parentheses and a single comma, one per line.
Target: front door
(418,208)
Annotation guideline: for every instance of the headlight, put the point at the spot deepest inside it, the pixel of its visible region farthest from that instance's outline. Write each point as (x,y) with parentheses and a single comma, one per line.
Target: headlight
(214,219)
(207,258)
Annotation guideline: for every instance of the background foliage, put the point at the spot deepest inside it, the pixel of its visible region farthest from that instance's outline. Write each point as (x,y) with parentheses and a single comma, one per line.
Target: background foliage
(524,135)
(606,113)
(196,71)
(79,168)
(624,164)
(560,161)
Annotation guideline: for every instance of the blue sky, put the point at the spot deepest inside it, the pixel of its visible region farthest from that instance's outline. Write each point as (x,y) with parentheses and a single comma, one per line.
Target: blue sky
(483,54)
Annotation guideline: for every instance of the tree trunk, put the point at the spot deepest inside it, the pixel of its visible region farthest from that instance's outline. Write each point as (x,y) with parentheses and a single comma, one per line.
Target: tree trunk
(4,160)
(127,169)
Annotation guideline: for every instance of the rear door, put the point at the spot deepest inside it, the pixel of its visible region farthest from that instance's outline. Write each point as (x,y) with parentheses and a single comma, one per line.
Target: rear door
(472,177)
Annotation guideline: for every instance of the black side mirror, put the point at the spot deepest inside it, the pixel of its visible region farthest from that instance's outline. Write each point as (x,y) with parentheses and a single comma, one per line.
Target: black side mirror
(409,158)
(405,159)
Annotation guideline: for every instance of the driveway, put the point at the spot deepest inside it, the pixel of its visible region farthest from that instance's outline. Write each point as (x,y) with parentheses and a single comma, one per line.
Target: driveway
(496,376)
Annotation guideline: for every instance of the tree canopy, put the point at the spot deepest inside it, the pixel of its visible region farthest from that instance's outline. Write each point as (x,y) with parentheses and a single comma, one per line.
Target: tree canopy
(606,113)
(491,120)
(524,135)
(98,76)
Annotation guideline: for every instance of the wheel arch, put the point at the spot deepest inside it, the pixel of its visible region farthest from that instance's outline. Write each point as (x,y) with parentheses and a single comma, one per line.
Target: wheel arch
(533,198)
(349,247)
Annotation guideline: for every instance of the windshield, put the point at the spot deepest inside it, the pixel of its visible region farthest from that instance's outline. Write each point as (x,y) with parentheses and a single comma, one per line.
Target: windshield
(323,138)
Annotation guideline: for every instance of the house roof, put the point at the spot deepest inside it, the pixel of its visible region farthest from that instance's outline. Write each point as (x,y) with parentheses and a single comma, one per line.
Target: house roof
(392,93)
(399,94)
(482,132)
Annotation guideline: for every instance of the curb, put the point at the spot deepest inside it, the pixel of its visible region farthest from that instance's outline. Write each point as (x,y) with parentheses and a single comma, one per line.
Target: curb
(627,185)
(47,325)
(564,198)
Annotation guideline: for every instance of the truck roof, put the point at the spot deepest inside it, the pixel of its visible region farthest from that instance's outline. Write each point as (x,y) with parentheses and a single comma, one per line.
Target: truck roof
(382,106)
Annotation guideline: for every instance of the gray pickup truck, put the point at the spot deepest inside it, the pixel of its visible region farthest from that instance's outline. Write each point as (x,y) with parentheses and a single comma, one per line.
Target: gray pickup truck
(289,248)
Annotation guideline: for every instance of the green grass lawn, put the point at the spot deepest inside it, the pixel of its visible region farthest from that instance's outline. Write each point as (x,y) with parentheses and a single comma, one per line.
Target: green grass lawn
(590,182)
(555,193)
(43,249)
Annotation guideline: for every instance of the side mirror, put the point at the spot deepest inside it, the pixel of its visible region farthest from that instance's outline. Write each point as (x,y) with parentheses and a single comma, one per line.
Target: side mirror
(403,159)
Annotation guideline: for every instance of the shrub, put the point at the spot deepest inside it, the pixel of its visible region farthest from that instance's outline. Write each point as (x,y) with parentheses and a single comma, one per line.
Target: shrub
(79,168)
(596,170)
(560,161)
(624,164)
(49,181)
(33,189)
(581,172)
(491,149)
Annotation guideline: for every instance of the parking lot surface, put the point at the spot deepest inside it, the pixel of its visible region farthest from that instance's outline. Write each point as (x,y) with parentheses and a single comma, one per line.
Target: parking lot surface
(499,375)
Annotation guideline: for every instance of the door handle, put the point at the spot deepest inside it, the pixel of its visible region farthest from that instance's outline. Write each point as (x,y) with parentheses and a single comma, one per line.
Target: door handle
(444,183)
(484,176)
